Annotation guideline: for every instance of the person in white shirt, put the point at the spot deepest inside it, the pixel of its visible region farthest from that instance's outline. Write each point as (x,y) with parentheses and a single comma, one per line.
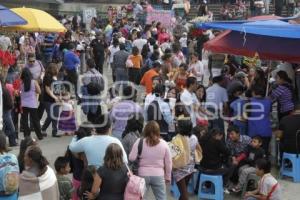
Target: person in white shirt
(183,44)
(139,42)
(112,49)
(189,99)
(196,68)
(268,186)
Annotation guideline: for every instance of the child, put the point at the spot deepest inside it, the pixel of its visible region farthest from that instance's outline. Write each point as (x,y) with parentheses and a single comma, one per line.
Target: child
(254,153)
(62,168)
(269,187)
(67,116)
(87,182)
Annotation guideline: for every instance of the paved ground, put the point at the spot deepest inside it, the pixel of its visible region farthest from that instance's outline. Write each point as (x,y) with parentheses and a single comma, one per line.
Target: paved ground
(53,147)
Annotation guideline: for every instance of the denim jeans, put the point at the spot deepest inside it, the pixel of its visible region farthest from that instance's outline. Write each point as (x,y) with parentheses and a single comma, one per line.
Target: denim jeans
(158,186)
(52,116)
(8,127)
(121,74)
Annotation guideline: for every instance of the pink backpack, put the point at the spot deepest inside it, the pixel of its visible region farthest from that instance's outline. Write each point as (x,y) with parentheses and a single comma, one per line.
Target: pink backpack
(135,188)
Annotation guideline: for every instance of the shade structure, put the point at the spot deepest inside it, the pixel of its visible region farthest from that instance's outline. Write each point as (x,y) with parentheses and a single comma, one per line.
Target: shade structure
(38,21)
(9,18)
(269,48)
(275,28)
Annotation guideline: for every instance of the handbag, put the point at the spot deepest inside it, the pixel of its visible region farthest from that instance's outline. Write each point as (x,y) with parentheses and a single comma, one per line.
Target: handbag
(135,188)
(136,163)
(129,63)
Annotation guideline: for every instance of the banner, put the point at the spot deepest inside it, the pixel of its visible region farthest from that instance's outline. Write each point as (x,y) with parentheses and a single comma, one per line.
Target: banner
(162,16)
(88,14)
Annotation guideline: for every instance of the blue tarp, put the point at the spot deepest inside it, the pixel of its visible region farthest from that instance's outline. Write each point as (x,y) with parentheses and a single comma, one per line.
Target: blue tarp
(274,28)
(9,18)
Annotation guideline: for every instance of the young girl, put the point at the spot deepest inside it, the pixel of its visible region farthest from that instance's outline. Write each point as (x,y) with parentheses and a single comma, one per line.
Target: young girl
(67,122)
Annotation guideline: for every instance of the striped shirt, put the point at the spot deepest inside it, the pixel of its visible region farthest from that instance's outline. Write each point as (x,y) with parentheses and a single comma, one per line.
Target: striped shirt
(283,94)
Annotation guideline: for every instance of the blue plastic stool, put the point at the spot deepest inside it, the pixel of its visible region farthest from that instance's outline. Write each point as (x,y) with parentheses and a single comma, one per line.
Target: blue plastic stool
(191,187)
(293,171)
(217,184)
(10,197)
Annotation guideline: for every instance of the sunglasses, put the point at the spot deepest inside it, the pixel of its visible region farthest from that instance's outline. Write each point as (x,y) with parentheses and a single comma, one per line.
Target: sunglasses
(31,61)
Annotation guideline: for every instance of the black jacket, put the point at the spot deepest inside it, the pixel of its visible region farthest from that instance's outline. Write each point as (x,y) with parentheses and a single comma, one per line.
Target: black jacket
(253,155)
(7,100)
(214,153)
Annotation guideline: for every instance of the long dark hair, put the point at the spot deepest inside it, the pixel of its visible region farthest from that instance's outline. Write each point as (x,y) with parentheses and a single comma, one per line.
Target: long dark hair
(26,78)
(25,143)
(35,154)
(152,133)
(87,180)
(135,123)
(3,145)
(284,76)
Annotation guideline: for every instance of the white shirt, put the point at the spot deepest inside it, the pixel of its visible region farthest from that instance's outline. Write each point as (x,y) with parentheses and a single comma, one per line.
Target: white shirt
(67,106)
(183,42)
(139,43)
(149,98)
(112,51)
(198,70)
(216,96)
(265,186)
(5,42)
(22,39)
(190,100)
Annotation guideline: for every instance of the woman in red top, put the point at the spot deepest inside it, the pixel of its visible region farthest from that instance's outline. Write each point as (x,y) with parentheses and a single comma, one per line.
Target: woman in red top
(163,36)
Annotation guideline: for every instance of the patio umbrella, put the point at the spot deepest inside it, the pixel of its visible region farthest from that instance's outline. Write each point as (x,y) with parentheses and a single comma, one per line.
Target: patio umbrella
(9,18)
(38,21)
(269,48)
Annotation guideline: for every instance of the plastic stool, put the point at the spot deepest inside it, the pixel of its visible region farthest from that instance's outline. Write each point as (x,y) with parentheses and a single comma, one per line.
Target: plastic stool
(293,171)
(191,186)
(10,197)
(217,183)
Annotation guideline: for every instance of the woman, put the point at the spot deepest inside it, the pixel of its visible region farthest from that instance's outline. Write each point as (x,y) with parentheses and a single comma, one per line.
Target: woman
(27,48)
(201,93)
(155,160)
(180,77)
(196,68)
(9,172)
(133,131)
(215,155)
(283,94)
(37,172)
(112,177)
(137,62)
(25,143)
(163,36)
(50,99)
(182,175)
(30,89)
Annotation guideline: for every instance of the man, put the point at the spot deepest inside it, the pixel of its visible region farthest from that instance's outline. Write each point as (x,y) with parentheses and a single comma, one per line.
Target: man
(121,110)
(139,42)
(147,79)
(71,64)
(237,144)
(287,133)
(98,48)
(137,9)
(48,47)
(160,111)
(95,146)
(216,102)
(36,67)
(189,99)
(240,80)
(119,64)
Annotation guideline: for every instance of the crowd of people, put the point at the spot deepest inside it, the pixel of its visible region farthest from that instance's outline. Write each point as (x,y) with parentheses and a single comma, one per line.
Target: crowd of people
(167,110)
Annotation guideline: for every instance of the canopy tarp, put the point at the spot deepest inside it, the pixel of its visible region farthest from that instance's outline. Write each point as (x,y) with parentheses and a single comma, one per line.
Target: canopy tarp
(38,21)
(269,48)
(274,27)
(9,18)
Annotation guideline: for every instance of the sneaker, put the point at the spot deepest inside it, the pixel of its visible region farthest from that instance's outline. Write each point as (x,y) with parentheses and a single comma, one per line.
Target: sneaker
(236,190)
(226,191)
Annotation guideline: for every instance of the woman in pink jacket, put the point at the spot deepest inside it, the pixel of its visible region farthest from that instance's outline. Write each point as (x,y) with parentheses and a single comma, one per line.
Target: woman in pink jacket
(155,160)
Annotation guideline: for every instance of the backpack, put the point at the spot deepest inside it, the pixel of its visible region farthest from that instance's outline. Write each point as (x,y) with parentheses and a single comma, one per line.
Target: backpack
(9,173)
(96,84)
(154,113)
(136,163)
(135,188)
(180,151)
